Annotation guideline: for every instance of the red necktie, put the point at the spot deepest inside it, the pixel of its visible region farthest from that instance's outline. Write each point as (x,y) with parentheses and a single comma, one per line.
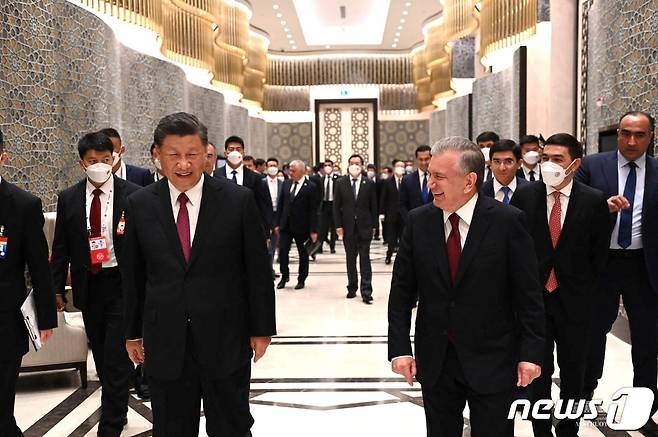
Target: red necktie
(454,246)
(95,224)
(555,226)
(183,226)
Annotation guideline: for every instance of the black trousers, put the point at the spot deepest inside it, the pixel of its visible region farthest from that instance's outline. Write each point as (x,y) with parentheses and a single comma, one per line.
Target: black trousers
(103,319)
(177,403)
(285,242)
(570,338)
(358,246)
(626,276)
(327,227)
(9,367)
(393,233)
(445,401)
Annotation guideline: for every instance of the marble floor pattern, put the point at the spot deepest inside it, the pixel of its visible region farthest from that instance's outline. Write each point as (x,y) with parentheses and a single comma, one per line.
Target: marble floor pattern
(325,374)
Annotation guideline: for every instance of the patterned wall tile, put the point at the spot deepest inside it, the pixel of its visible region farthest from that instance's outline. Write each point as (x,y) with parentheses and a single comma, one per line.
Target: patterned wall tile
(208,105)
(437,126)
(399,139)
(457,111)
(236,122)
(257,137)
(463,58)
(289,141)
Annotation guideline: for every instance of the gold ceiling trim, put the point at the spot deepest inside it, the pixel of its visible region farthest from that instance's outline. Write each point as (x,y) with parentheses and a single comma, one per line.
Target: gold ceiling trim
(460,18)
(506,23)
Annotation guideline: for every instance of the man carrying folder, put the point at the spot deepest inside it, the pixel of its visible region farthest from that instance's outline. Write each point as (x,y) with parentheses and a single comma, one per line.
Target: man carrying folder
(22,243)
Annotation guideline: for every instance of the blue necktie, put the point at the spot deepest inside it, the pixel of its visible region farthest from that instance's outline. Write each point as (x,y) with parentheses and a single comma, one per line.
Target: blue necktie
(354,188)
(425,192)
(626,218)
(235,177)
(506,191)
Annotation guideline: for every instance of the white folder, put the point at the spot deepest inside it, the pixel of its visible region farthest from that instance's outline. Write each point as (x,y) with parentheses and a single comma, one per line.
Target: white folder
(29,311)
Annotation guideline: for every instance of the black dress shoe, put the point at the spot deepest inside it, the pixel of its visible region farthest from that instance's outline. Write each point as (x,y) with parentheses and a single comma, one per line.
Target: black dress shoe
(332,251)
(282,283)
(299,285)
(313,257)
(143,392)
(387,260)
(351,294)
(367,300)
(650,429)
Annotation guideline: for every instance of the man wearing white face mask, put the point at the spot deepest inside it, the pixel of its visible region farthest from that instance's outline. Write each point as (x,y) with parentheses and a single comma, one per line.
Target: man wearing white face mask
(389,207)
(485,140)
(273,185)
(88,238)
(531,152)
(569,224)
(355,215)
(326,181)
(127,172)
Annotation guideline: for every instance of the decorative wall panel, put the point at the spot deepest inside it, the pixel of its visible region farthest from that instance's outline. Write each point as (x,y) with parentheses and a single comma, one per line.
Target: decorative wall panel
(399,139)
(236,122)
(286,98)
(258,138)
(208,105)
(463,58)
(289,141)
(437,126)
(457,115)
(622,67)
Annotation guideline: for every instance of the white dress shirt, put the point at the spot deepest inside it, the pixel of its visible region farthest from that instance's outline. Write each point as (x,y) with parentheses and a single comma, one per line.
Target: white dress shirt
(465,214)
(622,174)
(421,175)
(565,195)
(121,172)
(193,204)
(294,189)
(498,189)
(273,186)
(526,171)
(239,175)
(107,214)
(328,186)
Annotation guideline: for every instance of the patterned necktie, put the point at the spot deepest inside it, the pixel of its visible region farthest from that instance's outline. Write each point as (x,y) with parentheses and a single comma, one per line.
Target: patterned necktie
(532,175)
(626,215)
(425,191)
(354,187)
(454,246)
(506,192)
(235,177)
(555,227)
(183,226)
(95,224)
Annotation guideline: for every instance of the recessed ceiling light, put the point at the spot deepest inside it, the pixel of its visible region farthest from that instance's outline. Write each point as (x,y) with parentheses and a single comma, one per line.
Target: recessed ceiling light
(283,22)
(286,30)
(275,7)
(394,45)
(294,47)
(405,12)
(327,46)
(397,33)
(279,15)
(396,40)
(399,27)
(292,42)
(407,4)
(289,36)
(402,20)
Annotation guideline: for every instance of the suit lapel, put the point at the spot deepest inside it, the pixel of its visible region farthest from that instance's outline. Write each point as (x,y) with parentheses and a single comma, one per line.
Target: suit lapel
(299,190)
(610,168)
(117,203)
(650,183)
(476,233)
(572,211)
(207,210)
(166,217)
(79,208)
(6,202)
(361,188)
(437,242)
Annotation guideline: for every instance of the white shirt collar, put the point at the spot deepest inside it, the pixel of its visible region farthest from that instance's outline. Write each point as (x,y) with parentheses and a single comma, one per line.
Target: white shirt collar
(358,178)
(565,191)
(640,162)
(272,180)
(107,186)
(465,212)
(229,170)
(193,194)
(497,185)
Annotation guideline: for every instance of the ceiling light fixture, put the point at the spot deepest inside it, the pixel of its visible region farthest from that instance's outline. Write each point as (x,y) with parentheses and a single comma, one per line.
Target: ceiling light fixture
(396,40)
(327,46)
(283,22)
(275,7)
(289,36)
(407,4)
(286,30)
(279,15)
(397,33)
(294,47)
(394,45)
(399,27)
(405,12)
(402,20)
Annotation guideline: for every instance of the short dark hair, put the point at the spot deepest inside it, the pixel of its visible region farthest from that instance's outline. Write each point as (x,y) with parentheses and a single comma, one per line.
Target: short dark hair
(505,146)
(248,158)
(422,148)
(178,123)
(259,161)
(355,155)
(233,139)
(568,141)
(388,169)
(110,132)
(94,141)
(327,160)
(652,121)
(395,161)
(273,159)
(487,136)
(371,166)
(528,139)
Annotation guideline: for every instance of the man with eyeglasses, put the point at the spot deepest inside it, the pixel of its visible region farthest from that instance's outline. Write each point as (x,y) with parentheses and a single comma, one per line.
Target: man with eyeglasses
(629,178)
(505,158)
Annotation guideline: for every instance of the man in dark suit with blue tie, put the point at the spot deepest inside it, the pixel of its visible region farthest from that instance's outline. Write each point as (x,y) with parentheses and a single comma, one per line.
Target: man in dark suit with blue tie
(137,175)
(504,161)
(413,189)
(629,179)
(22,244)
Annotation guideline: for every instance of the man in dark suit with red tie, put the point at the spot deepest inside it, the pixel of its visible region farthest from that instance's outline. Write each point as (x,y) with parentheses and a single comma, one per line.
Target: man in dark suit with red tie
(479,324)
(197,289)
(22,244)
(88,238)
(629,178)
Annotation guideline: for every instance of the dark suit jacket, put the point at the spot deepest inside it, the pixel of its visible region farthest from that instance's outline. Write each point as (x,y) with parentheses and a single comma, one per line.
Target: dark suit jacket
(488,187)
(389,205)
(222,290)
(521,175)
(298,216)
(71,246)
(253,181)
(410,194)
(582,249)
(600,171)
(138,175)
(22,218)
(495,311)
(272,218)
(319,183)
(356,217)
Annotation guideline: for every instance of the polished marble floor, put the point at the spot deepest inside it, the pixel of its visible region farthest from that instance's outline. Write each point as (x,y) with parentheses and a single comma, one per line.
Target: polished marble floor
(326,374)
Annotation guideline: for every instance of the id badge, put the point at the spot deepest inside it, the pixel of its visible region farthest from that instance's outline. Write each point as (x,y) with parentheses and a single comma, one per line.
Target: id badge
(121,226)
(98,251)
(3,247)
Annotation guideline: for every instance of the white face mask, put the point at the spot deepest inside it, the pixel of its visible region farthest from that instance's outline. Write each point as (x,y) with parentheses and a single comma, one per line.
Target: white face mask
(99,172)
(234,157)
(354,170)
(485,151)
(371,174)
(157,164)
(384,176)
(272,171)
(531,157)
(553,174)
(409,169)
(399,171)
(281,178)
